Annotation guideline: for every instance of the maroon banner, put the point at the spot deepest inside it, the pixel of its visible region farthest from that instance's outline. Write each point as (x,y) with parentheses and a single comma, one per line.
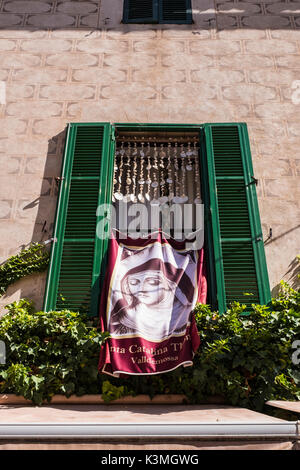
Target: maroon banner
(150,290)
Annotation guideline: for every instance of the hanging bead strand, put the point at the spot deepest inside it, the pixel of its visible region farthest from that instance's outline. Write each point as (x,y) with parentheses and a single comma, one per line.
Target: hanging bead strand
(154,184)
(118,194)
(198,199)
(134,177)
(163,198)
(169,170)
(183,197)
(148,168)
(141,180)
(189,153)
(176,198)
(127,196)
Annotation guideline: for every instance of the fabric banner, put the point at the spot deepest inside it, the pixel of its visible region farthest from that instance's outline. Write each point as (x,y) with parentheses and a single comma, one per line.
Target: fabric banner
(150,290)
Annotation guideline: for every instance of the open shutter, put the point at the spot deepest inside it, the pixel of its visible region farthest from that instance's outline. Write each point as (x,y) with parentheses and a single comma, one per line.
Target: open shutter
(140,11)
(237,236)
(175,11)
(77,253)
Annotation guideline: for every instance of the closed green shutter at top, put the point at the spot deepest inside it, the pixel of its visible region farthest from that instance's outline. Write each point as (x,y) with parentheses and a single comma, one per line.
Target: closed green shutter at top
(140,11)
(77,253)
(240,262)
(157,11)
(175,11)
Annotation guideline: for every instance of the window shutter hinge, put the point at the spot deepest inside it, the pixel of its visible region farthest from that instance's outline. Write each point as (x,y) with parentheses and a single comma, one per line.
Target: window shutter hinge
(54,240)
(58,179)
(258,239)
(254,181)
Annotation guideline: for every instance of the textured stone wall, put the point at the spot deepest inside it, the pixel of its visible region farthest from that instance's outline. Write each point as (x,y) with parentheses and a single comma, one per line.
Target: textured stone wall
(65,61)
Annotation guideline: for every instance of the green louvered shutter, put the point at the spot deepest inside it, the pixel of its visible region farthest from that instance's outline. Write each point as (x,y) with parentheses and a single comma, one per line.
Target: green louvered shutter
(237,236)
(175,11)
(157,11)
(77,254)
(140,11)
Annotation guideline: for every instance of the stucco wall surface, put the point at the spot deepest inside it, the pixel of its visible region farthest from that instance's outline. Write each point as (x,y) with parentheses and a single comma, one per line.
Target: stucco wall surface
(64,61)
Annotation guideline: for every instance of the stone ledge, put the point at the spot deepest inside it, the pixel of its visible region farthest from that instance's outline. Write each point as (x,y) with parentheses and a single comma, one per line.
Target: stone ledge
(11,399)
(162,444)
(293,406)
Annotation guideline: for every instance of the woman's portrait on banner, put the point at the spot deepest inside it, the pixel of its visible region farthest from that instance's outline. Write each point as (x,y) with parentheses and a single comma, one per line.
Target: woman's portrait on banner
(152,294)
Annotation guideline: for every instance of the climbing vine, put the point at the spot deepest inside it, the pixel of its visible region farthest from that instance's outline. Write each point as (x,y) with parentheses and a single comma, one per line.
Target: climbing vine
(245,360)
(28,261)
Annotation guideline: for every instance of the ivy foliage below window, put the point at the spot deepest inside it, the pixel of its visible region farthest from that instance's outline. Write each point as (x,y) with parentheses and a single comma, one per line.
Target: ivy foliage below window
(31,260)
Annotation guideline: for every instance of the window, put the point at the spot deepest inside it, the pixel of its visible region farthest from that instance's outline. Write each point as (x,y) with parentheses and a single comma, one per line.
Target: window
(159,169)
(157,11)
(234,247)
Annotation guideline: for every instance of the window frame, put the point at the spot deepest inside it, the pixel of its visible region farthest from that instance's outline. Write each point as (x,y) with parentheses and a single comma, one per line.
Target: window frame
(208,239)
(212,238)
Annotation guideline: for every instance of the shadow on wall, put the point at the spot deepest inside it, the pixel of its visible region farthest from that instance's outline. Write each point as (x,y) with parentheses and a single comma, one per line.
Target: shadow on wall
(85,15)
(293,273)
(33,286)
(292,277)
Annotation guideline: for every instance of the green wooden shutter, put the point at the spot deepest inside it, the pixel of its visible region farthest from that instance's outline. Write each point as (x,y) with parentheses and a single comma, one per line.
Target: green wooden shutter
(157,11)
(175,11)
(140,11)
(77,254)
(237,236)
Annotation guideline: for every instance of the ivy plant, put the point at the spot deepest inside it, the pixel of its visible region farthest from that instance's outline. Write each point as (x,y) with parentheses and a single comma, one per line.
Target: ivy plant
(244,359)
(28,261)
(48,353)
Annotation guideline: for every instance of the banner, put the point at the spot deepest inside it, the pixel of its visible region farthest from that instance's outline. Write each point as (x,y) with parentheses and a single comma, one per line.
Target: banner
(150,290)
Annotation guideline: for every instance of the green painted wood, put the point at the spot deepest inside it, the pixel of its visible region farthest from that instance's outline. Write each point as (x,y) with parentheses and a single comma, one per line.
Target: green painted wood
(155,126)
(108,184)
(237,236)
(76,257)
(175,12)
(212,298)
(157,11)
(140,11)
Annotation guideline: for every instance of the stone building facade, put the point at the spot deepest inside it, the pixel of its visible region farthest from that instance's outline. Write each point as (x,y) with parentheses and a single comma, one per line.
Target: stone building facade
(74,61)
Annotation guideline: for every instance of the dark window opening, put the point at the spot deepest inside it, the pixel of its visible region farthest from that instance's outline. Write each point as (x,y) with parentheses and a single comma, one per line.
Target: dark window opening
(157,11)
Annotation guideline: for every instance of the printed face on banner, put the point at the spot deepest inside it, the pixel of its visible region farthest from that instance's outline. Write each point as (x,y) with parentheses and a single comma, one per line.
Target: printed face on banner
(152,293)
(149,288)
